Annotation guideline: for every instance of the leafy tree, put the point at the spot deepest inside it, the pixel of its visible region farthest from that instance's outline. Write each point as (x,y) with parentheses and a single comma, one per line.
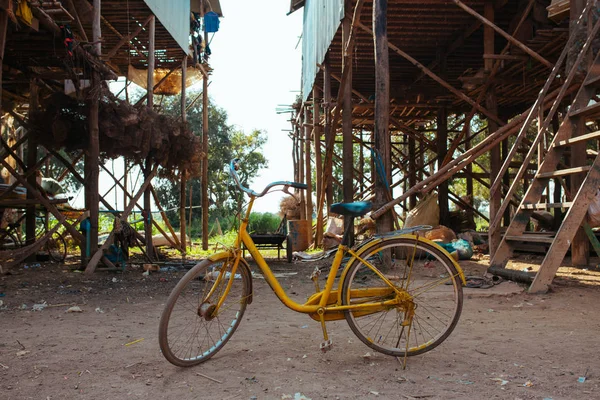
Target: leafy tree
(224,143)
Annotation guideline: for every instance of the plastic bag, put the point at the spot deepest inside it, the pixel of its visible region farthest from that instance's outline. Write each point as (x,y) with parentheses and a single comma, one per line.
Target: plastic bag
(461,246)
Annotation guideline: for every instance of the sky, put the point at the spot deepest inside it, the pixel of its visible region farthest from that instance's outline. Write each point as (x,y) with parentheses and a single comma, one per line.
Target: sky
(256,60)
(256,57)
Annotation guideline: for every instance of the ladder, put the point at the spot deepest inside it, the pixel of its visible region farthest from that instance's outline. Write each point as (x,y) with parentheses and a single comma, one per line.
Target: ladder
(582,110)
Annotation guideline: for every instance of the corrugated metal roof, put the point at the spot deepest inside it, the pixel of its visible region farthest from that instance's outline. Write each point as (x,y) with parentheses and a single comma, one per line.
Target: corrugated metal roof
(321,22)
(175,17)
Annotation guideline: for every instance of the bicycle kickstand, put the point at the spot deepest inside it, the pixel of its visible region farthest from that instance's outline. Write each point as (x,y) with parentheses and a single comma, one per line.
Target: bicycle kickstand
(327,344)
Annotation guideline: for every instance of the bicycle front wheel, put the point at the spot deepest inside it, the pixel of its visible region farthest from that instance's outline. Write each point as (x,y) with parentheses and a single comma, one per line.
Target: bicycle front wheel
(433,304)
(192,329)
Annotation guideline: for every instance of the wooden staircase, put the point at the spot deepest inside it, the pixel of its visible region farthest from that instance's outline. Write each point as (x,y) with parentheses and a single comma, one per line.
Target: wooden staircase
(584,109)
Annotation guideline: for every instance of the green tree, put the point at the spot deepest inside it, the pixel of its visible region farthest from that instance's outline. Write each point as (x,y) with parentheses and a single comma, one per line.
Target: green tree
(224,143)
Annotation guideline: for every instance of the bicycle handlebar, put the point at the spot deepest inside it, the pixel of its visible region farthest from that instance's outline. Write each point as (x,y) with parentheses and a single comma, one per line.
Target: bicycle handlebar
(234,165)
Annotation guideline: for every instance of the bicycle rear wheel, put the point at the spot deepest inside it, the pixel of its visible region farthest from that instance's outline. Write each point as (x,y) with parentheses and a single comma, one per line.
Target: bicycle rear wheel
(56,246)
(430,279)
(191,329)
(8,241)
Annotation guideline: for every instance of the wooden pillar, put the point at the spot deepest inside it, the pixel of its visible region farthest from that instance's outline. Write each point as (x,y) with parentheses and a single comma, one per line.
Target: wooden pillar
(442,149)
(3,29)
(182,227)
(469,177)
(205,161)
(347,137)
(91,162)
(318,162)
(580,247)
(412,173)
(492,107)
(148,166)
(361,161)
(506,181)
(31,161)
(301,163)
(382,108)
(327,126)
(308,128)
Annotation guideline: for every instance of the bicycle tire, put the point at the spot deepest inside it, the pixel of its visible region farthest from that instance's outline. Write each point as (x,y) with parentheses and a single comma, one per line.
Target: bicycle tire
(188,333)
(433,283)
(8,241)
(56,246)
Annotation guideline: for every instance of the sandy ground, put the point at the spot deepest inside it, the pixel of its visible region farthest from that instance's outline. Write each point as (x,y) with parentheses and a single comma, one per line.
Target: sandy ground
(508,344)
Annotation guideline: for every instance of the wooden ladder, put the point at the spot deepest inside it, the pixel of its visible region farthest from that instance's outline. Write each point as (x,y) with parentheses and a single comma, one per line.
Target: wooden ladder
(582,110)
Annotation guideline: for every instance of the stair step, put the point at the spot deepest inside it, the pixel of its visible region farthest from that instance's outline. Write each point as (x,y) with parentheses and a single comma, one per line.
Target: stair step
(582,138)
(530,238)
(592,81)
(563,172)
(545,206)
(588,111)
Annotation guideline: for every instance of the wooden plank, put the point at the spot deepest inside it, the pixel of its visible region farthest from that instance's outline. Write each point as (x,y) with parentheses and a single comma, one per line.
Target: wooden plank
(529,238)
(505,57)
(586,137)
(564,172)
(546,206)
(588,111)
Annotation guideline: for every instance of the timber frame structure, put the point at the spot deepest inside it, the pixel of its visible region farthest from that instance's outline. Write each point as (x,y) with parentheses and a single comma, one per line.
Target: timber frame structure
(399,85)
(88,42)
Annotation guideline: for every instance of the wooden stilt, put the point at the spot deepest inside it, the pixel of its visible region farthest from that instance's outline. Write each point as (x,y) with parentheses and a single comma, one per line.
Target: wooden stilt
(382,110)
(442,144)
(205,160)
(147,214)
(326,185)
(347,136)
(318,164)
(182,227)
(308,128)
(32,152)
(302,162)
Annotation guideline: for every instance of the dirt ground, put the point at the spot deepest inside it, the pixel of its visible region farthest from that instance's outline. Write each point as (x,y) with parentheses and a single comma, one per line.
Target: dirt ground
(508,344)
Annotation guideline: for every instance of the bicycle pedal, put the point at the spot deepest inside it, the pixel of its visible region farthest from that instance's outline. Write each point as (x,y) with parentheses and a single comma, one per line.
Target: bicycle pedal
(326,346)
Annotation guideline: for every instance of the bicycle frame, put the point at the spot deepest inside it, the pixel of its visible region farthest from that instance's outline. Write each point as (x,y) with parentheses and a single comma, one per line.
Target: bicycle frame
(328,300)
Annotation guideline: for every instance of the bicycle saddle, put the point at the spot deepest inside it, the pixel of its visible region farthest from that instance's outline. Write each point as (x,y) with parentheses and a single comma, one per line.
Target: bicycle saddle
(356,209)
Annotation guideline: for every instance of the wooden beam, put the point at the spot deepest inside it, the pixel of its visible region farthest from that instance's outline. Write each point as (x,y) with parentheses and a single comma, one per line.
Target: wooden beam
(205,204)
(128,38)
(439,80)
(73,11)
(504,34)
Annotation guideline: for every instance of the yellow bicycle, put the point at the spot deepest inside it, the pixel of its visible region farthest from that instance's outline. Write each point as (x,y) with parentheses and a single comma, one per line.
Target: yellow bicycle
(401,294)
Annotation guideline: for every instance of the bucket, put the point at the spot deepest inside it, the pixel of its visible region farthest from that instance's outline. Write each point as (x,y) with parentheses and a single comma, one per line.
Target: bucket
(298,233)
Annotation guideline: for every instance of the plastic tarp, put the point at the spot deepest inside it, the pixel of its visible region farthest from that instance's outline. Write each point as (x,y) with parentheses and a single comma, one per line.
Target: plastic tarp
(171,85)
(321,22)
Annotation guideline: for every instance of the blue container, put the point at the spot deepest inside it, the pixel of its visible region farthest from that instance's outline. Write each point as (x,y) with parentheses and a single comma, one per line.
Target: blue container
(211,22)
